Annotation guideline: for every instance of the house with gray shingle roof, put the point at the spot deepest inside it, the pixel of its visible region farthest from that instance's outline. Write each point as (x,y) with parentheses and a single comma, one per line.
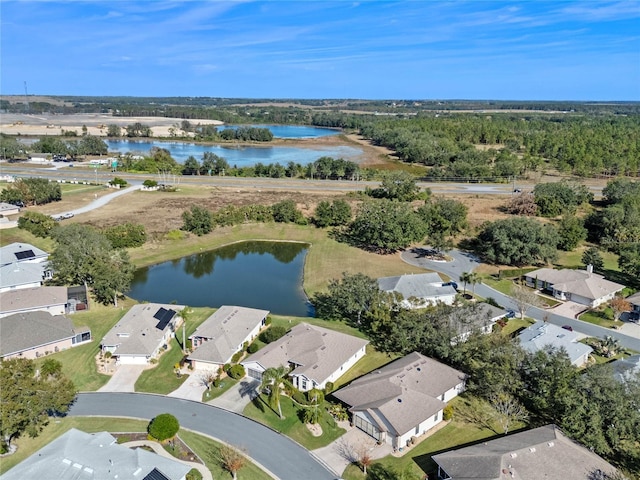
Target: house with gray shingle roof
(419,290)
(22,266)
(625,369)
(76,455)
(315,356)
(7,209)
(48,299)
(223,334)
(142,333)
(579,286)
(540,453)
(634,300)
(21,252)
(35,334)
(478,316)
(541,335)
(402,399)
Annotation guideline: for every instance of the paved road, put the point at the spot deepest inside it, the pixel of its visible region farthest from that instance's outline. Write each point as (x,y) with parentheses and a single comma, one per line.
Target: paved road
(466,262)
(278,454)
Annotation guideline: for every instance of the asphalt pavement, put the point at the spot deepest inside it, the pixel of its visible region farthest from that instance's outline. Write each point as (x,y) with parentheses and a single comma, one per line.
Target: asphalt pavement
(276,453)
(467,262)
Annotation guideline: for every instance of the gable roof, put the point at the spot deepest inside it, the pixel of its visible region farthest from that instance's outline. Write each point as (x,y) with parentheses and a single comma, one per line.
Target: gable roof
(23,331)
(422,285)
(403,393)
(21,273)
(32,298)
(76,455)
(540,334)
(136,333)
(625,368)
(225,332)
(580,282)
(316,352)
(20,252)
(543,452)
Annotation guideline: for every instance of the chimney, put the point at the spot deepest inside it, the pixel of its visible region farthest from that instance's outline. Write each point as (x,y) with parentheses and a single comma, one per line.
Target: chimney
(589,268)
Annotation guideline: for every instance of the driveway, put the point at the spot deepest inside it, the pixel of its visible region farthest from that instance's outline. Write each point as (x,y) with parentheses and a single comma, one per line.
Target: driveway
(279,455)
(124,379)
(191,389)
(342,452)
(238,396)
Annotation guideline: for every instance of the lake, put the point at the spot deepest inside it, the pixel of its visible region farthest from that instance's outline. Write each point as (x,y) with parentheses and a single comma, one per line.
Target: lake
(239,156)
(265,275)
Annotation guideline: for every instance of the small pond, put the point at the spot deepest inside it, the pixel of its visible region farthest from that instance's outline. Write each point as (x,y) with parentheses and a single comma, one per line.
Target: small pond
(265,275)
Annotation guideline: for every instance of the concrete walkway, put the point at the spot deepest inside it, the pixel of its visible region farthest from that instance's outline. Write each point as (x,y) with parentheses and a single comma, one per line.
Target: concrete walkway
(238,396)
(344,451)
(124,379)
(191,389)
(206,474)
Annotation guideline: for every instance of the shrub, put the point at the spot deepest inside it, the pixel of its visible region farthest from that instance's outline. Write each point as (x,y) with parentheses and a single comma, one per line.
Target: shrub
(37,223)
(175,235)
(253,348)
(193,474)
(127,235)
(273,333)
(328,388)
(299,397)
(198,220)
(447,413)
(236,356)
(163,427)
(118,181)
(236,372)
(226,368)
(150,183)
(268,320)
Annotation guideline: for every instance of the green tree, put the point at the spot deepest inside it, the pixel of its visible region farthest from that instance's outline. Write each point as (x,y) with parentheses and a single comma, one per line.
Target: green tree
(126,235)
(37,223)
(386,226)
(212,164)
(32,191)
(571,232)
(286,211)
(163,427)
(197,220)
(517,241)
(114,130)
(92,145)
(397,185)
(274,380)
(591,256)
(232,459)
(138,130)
(112,276)
(27,398)
(558,198)
(348,298)
(444,216)
(619,189)
(629,260)
(191,166)
(332,214)
(470,278)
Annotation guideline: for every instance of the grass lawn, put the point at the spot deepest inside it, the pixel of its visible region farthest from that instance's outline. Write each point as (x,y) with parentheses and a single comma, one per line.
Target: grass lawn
(417,461)
(162,378)
(204,447)
(227,383)
(13,235)
(515,325)
(370,362)
(503,285)
(338,326)
(602,317)
(291,425)
(78,363)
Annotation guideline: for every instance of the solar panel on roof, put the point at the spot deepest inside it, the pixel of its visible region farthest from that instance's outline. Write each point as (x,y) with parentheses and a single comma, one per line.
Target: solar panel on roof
(163,316)
(156,474)
(25,254)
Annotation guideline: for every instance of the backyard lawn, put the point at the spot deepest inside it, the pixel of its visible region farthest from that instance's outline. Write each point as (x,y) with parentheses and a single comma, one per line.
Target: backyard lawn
(373,360)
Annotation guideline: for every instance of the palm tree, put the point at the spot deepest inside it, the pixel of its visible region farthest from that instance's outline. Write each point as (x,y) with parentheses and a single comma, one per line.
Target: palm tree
(473,279)
(465,278)
(273,380)
(185,314)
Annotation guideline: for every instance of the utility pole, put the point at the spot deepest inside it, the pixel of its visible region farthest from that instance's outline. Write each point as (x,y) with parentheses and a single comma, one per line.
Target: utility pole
(26,97)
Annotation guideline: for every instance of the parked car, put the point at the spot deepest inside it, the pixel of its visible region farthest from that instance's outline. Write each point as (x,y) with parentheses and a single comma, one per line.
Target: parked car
(568,327)
(510,314)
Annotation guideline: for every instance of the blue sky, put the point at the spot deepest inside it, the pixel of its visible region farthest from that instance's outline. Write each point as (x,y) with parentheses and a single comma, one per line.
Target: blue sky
(528,50)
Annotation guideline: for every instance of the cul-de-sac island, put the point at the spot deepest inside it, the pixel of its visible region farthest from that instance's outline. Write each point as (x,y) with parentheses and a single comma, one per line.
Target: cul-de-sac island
(197,288)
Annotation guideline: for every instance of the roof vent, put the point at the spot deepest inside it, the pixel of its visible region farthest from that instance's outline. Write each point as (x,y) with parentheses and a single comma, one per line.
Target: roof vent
(513,454)
(399,400)
(418,369)
(550,444)
(532,449)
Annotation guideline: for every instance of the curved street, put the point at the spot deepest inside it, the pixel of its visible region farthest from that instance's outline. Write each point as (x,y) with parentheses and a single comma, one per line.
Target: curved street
(467,262)
(276,453)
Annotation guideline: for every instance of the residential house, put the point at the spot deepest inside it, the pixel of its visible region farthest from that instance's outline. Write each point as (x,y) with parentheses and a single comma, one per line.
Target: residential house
(223,334)
(402,399)
(141,334)
(420,290)
(7,209)
(315,356)
(541,335)
(76,455)
(22,266)
(624,369)
(479,317)
(540,453)
(634,300)
(34,334)
(579,286)
(48,299)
